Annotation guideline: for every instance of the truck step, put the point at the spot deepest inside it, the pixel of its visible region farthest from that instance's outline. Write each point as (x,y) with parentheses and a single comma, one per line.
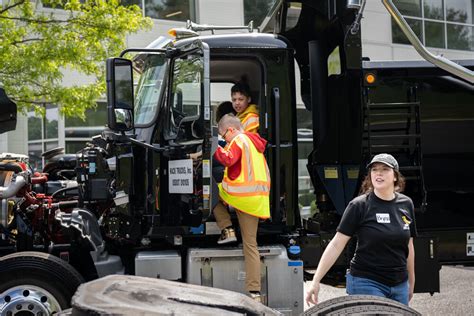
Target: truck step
(389,146)
(398,105)
(394,136)
(390,114)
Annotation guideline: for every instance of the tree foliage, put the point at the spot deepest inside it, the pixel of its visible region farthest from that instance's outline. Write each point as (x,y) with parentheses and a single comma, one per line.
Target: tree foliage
(37,43)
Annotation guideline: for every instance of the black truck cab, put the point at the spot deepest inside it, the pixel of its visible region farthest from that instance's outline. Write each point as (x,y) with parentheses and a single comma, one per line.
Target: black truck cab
(173,112)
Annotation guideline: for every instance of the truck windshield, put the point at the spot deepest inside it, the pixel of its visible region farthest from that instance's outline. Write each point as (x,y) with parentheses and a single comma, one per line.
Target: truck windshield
(150,69)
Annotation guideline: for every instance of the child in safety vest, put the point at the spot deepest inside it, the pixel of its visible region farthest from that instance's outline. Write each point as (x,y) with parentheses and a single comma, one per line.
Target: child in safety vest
(246,112)
(246,188)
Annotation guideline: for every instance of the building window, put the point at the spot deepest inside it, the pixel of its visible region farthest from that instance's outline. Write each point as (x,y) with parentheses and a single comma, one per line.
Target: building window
(175,10)
(51,122)
(52,131)
(447,24)
(96,117)
(35,127)
(73,147)
(257,10)
(78,132)
(42,135)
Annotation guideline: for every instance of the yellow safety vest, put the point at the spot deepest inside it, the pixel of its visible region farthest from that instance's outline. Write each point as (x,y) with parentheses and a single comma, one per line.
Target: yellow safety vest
(250,191)
(250,119)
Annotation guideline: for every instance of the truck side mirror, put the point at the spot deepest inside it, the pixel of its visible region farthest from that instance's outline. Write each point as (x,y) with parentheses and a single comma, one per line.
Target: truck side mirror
(119,94)
(7,113)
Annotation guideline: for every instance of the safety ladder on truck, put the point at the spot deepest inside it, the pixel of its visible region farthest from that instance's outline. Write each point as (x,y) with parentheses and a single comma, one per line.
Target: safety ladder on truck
(395,128)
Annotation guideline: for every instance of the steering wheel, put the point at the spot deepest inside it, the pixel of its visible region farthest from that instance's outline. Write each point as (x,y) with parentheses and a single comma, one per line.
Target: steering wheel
(178,116)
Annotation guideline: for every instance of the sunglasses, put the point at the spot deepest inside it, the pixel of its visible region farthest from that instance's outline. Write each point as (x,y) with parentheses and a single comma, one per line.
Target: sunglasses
(225,133)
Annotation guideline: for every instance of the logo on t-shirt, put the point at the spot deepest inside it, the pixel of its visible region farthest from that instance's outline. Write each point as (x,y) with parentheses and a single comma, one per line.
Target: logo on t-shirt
(383,218)
(406,219)
(407,222)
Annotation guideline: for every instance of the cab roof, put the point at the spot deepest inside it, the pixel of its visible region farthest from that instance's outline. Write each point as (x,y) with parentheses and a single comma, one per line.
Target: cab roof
(239,40)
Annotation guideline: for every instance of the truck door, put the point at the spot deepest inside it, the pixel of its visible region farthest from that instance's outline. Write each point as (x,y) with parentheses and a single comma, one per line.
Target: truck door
(187,133)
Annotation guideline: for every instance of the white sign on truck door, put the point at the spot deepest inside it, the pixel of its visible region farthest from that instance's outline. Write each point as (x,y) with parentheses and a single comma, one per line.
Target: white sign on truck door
(180,176)
(470,244)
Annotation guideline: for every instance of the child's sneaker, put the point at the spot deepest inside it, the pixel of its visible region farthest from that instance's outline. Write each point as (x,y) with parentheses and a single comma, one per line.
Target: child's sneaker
(227,236)
(256,296)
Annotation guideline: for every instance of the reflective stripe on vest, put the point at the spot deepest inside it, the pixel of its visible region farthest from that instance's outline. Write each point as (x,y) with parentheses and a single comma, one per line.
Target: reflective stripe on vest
(251,123)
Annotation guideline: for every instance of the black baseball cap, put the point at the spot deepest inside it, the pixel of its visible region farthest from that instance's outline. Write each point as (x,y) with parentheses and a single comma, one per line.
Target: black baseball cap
(386,159)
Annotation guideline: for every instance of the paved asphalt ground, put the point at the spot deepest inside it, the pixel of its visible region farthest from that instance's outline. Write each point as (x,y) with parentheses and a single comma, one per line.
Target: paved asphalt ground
(456,297)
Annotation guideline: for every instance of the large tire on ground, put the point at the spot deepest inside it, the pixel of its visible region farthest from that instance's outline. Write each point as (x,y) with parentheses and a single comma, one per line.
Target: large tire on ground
(134,295)
(360,305)
(35,283)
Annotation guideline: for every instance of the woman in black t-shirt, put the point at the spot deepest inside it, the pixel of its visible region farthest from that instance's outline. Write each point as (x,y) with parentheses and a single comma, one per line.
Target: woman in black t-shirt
(383,221)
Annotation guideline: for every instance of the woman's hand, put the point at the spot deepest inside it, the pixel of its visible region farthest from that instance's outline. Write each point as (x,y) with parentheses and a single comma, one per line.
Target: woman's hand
(330,255)
(312,294)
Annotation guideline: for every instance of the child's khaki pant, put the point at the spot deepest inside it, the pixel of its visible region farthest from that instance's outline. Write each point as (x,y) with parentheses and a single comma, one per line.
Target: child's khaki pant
(248,228)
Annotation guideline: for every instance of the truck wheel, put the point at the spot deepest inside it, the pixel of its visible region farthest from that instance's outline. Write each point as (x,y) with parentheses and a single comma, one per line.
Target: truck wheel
(36,283)
(360,305)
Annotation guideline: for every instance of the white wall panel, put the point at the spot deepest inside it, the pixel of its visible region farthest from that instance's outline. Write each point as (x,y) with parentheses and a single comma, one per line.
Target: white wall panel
(376,27)
(405,52)
(372,6)
(16,138)
(3,143)
(377,51)
(160,28)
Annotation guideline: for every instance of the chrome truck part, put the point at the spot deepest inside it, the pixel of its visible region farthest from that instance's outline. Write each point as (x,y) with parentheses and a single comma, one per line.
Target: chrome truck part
(204,27)
(4,213)
(354,4)
(12,189)
(85,223)
(164,264)
(35,283)
(7,177)
(30,300)
(281,277)
(106,264)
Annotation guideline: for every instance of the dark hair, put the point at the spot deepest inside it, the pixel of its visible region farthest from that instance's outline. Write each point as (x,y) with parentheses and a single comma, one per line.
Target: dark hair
(224,108)
(242,88)
(367,186)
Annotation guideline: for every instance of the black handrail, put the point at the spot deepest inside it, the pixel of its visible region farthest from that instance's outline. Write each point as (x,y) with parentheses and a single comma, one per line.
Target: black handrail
(276,215)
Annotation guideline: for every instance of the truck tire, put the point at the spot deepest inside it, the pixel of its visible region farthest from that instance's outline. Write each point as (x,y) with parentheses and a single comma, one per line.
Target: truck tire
(36,283)
(360,305)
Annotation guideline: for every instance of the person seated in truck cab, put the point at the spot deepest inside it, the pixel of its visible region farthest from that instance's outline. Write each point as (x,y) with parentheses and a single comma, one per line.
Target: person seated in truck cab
(224,108)
(217,168)
(247,113)
(246,188)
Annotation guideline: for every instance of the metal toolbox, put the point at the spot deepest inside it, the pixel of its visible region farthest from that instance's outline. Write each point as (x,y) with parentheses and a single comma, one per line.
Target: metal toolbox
(282,278)
(165,264)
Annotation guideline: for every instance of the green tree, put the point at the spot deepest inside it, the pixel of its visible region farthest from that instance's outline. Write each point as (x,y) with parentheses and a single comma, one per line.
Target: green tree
(37,45)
